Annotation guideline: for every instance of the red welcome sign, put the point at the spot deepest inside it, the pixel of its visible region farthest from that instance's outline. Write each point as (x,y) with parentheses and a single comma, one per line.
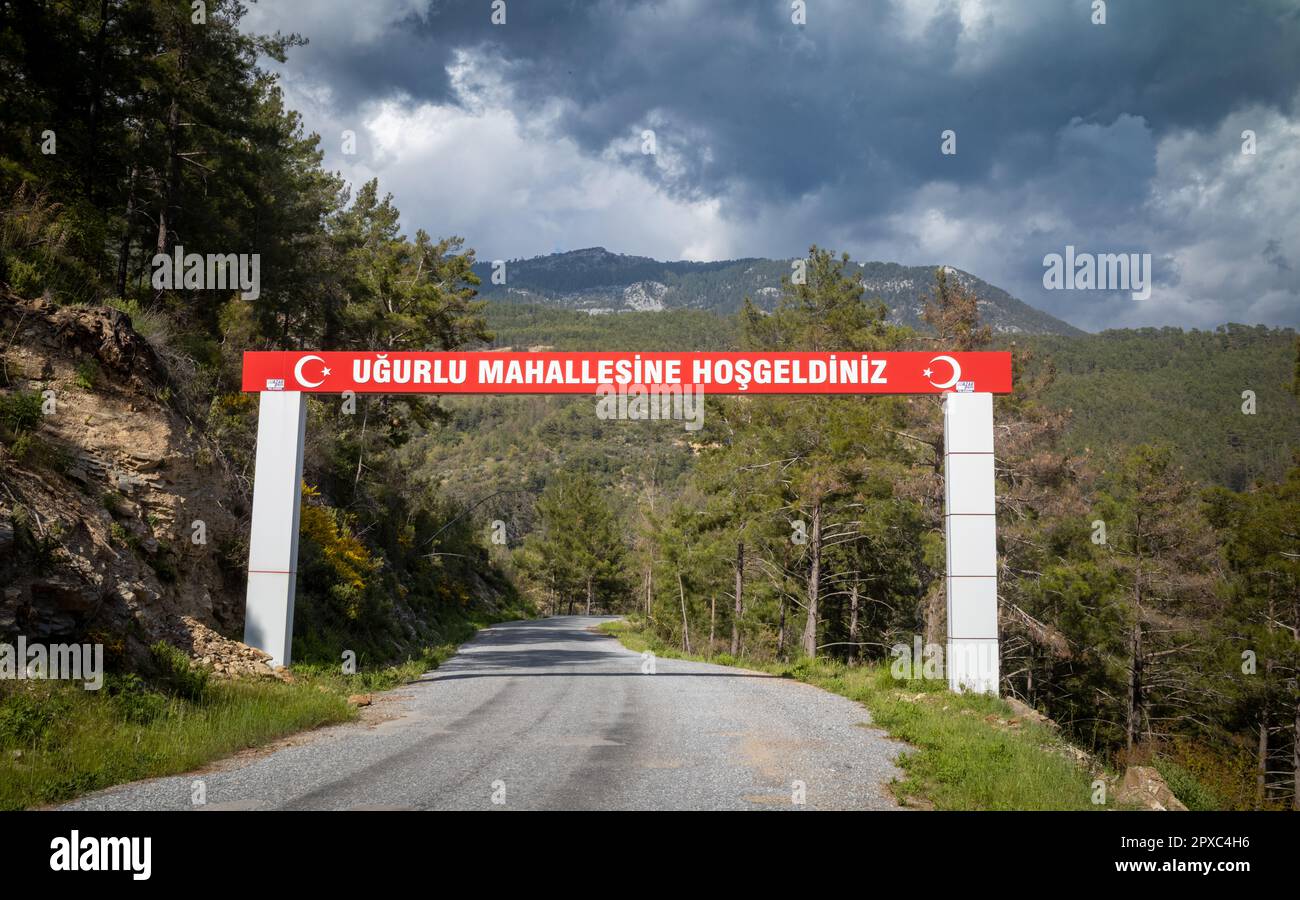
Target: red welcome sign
(486,372)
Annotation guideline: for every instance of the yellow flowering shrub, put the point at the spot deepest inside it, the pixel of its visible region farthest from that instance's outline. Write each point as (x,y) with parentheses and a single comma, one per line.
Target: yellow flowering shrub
(350,559)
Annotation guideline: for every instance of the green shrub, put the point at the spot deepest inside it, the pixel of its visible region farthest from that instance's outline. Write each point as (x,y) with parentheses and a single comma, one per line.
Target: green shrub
(134,701)
(118,534)
(1195,796)
(178,675)
(32,545)
(24,447)
(87,374)
(45,245)
(164,565)
(30,716)
(151,324)
(20,411)
(29,447)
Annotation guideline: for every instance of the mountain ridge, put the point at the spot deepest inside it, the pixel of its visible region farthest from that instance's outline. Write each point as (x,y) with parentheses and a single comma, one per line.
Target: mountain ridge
(596,280)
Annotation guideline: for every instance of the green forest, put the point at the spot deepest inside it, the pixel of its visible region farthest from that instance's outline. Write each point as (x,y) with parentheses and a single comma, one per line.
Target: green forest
(1148,482)
(1147,511)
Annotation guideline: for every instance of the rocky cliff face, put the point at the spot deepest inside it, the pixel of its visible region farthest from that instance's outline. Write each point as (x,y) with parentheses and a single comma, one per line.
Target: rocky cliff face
(119,521)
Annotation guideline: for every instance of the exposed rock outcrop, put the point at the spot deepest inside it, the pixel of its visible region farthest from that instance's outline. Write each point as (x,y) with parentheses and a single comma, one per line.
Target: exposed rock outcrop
(119,521)
(1144,787)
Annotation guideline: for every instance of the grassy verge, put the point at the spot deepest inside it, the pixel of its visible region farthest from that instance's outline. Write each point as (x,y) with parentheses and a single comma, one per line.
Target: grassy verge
(971,751)
(58,740)
(388,677)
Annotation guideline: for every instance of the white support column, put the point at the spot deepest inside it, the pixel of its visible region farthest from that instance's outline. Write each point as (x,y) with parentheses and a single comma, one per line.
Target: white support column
(273,539)
(970,530)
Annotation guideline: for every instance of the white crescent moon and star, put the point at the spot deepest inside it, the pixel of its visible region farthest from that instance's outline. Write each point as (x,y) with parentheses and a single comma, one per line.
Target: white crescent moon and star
(956,372)
(297,372)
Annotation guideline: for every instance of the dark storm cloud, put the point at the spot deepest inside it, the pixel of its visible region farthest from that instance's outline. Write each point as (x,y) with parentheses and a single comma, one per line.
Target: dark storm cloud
(790,108)
(1051,112)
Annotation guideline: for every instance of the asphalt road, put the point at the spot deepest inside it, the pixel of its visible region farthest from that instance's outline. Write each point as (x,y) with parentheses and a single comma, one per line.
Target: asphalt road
(548,714)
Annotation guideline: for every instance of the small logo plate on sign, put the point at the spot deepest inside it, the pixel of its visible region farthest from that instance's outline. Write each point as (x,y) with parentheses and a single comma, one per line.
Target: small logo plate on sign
(275,384)
(965,387)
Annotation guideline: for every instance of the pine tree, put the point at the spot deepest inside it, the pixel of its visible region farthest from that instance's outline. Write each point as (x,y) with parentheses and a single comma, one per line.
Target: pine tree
(1260,631)
(1159,555)
(578,551)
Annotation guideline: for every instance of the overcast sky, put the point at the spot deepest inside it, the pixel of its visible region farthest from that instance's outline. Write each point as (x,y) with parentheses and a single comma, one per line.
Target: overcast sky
(526,138)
